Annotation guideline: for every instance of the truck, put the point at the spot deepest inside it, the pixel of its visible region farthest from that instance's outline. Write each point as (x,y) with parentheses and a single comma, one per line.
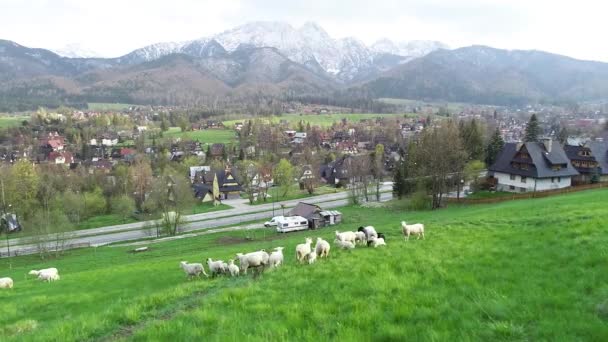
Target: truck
(291,224)
(273,221)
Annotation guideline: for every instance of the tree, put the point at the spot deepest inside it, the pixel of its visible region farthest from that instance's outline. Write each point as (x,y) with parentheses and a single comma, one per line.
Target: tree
(164,125)
(140,174)
(94,203)
(21,187)
(250,177)
(123,206)
(472,139)
(378,168)
(73,206)
(532,130)
(471,172)
(438,158)
(183,123)
(562,136)
(284,176)
(172,196)
(494,147)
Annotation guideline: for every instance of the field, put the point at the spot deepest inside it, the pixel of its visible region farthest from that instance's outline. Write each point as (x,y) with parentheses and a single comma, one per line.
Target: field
(108,106)
(519,270)
(12,121)
(323,120)
(209,136)
(275,194)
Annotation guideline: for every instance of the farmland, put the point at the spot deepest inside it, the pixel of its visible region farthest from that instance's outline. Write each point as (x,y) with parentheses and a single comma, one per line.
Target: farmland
(108,106)
(209,136)
(12,121)
(519,270)
(323,120)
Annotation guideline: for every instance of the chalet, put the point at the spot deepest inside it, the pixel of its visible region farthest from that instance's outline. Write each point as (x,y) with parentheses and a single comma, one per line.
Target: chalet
(196,126)
(336,173)
(212,124)
(532,166)
(589,159)
(101,165)
(306,176)
(52,142)
(316,216)
(229,186)
(238,126)
(196,172)
(217,151)
(60,157)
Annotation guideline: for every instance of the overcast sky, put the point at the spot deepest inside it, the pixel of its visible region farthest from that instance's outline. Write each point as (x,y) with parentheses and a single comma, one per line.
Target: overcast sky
(115,27)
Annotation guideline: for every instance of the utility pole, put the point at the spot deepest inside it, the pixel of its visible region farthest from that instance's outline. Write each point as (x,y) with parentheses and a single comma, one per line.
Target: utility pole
(8,242)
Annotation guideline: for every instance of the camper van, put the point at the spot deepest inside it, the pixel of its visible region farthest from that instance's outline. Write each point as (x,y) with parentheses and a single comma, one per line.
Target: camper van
(273,221)
(291,223)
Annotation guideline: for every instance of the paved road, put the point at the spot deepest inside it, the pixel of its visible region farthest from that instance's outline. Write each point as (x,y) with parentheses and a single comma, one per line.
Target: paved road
(222,218)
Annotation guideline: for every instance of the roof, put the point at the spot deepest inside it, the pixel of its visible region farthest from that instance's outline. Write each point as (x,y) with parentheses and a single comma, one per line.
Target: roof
(306,210)
(600,152)
(330,213)
(542,161)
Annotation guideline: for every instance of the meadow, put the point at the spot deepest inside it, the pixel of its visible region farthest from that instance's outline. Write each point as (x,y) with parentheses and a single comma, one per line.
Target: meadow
(323,120)
(519,270)
(208,136)
(12,121)
(99,106)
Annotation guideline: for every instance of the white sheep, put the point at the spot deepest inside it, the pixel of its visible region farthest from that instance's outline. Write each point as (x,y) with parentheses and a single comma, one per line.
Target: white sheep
(276,257)
(303,249)
(6,283)
(346,236)
(192,270)
(254,259)
(232,268)
(225,268)
(344,244)
(360,237)
(412,229)
(369,231)
(216,267)
(311,257)
(322,248)
(50,270)
(375,242)
(48,277)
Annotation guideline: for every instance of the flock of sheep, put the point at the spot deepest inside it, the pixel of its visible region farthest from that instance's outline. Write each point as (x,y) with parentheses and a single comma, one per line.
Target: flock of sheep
(305,253)
(260,259)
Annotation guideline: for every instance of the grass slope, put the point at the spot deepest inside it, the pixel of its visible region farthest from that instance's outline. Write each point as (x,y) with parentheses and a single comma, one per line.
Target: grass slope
(521,270)
(208,136)
(323,120)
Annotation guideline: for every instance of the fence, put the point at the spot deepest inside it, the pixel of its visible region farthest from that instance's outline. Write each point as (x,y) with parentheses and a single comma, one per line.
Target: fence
(527,195)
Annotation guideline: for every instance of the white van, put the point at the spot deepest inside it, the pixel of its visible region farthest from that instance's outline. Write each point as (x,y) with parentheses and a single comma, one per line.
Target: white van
(273,221)
(291,223)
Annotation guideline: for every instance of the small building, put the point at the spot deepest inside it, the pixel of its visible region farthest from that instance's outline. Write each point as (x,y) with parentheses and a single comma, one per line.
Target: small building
(316,217)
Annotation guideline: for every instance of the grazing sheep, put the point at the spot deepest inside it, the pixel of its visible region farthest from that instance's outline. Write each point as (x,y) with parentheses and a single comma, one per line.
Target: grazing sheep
(346,236)
(6,283)
(311,257)
(369,231)
(193,270)
(254,259)
(50,270)
(216,267)
(412,229)
(232,268)
(322,248)
(380,236)
(360,237)
(344,244)
(276,257)
(303,249)
(48,277)
(225,268)
(375,242)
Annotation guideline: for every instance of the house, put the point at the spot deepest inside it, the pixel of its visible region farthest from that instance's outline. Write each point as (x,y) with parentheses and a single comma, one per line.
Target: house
(52,142)
(307,175)
(336,173)
(316,216)
(532,166)
(198,171)
(588,159)
(229,186)
(238,126)
(62,157)
(217,151)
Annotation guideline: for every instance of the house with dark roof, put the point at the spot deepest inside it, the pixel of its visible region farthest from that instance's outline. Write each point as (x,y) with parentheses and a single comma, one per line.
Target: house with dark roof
(532,166)
(229,186)
(336,173)
(589,159)
(316,216)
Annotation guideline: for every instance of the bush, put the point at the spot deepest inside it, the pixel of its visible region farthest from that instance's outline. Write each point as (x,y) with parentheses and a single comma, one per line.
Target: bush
(420,201)
(123,206)
(94,203)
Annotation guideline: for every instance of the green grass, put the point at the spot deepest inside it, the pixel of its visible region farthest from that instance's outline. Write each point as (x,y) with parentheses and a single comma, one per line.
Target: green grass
(12,121)
(207,208)
(323,120)
(519,270)
(108,106)
(293,194)
(209,136)
(489,194)
(103,221)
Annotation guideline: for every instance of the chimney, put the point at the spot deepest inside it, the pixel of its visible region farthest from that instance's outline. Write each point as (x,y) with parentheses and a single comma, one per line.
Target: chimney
(548,142)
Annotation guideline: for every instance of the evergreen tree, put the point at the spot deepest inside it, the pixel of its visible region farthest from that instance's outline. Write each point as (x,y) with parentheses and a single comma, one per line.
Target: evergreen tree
(472,139)
(398,181)
(241,155)
(495,145)
(532,130)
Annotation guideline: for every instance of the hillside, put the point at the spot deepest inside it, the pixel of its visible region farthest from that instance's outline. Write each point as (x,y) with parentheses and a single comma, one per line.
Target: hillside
(480,74)
(521,270)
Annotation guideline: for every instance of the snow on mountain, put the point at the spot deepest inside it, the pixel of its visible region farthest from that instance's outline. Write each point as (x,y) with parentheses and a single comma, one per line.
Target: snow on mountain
(76,50)
(152,52)
(411,49)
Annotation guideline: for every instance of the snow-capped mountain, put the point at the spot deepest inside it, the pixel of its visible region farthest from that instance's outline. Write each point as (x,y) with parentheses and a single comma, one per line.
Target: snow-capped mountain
(77,50)
(346,59)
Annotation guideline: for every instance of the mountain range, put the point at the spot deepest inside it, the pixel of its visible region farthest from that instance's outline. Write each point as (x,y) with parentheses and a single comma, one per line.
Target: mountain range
(274,59)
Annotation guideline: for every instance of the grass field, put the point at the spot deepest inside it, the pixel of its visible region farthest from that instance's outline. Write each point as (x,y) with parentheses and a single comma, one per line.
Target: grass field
(209,136)
(108,106)
(520,271)
(489,194)
(323,120)
(12,121)
(293,193)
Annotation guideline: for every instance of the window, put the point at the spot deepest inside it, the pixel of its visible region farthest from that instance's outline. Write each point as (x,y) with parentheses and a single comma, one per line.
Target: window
(511,187)
(285,225)
(552,179)
(559,179)
(512,177)
(522,190)
(524,166)
(523,179)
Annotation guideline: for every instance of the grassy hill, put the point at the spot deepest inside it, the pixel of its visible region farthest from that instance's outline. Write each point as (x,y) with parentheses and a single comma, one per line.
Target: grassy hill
(521,270)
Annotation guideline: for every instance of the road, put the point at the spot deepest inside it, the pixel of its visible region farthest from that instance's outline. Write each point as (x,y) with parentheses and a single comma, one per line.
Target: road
(229,217)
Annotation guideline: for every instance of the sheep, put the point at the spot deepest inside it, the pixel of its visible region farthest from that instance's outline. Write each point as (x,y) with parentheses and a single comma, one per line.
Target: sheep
(380,236)
(254,259)
(322,248)
(50,270)
(6,283)
(346,236)
(48,277)
(303,249)
(215,267)
(412,229)
(225,268)
(276,257)
(311,257)
(375,242)
(361,237)
(344,244)
(369,231)
(232,268)
(192,270)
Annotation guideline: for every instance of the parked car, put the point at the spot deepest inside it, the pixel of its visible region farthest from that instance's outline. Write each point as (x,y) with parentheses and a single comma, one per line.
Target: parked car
(9,223)
(273,221)
(291,223)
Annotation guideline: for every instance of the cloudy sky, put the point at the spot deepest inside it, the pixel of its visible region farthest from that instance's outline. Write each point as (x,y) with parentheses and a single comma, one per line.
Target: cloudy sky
(115,27)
